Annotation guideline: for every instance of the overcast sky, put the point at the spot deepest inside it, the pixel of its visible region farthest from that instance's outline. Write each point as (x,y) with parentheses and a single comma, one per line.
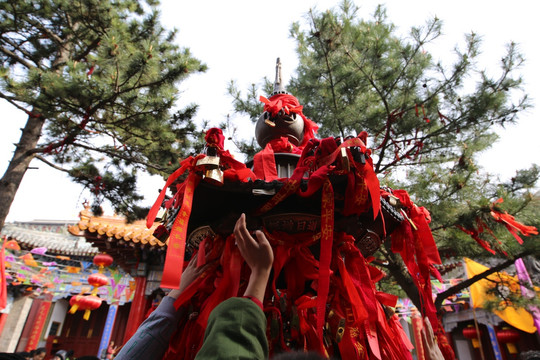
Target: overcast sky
(240,40)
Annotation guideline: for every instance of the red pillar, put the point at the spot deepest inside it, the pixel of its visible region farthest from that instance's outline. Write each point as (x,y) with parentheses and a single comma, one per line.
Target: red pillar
(138,308)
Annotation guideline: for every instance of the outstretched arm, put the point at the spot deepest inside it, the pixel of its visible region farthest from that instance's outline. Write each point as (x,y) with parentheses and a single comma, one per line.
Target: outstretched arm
(237,327)
(152,337)
(188,276)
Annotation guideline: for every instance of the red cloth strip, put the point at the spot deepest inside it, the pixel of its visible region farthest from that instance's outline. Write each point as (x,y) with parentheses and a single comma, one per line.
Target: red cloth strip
(327,236)
(264,164)
(157,204)
(177,240)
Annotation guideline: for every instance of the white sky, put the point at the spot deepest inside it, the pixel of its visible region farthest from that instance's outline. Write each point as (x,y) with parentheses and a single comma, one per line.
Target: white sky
(240,40)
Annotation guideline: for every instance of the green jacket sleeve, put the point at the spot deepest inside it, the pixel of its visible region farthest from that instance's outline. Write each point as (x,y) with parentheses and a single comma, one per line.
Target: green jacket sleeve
(236,330)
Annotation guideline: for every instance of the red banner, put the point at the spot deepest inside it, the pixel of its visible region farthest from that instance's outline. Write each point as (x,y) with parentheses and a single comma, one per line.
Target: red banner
(176,247)
(39,321)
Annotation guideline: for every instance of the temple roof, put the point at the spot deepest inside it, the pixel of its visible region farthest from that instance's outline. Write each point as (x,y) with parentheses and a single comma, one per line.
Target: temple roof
(49,234)
(115,227)
(127,242)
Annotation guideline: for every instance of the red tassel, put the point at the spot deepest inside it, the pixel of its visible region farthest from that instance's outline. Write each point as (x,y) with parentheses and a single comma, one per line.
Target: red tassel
(511,223)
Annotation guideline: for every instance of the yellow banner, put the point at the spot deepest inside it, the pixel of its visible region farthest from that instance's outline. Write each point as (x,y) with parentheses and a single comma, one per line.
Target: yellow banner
(517,317)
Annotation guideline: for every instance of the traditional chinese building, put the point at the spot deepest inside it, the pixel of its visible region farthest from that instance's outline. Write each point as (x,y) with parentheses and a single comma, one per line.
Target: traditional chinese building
(136,251)
(45,266)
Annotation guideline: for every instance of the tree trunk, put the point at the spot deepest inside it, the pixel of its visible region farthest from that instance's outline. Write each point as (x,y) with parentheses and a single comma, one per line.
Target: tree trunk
(396,269)
(9,184)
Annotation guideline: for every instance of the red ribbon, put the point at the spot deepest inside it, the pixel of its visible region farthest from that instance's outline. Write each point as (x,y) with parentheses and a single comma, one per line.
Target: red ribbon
(365,171)
(288,104)
(359,310)
(264,164)
(231,263)
(184,165)
(177,240)
(511,224)
(419,252)
(327,236)
(214,137)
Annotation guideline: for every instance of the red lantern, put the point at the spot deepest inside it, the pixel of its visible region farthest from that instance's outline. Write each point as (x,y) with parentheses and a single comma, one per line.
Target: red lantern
(77,302)
(84,302)
(98,279)
(508,336)
(470,333)
(91,302)
(103,260)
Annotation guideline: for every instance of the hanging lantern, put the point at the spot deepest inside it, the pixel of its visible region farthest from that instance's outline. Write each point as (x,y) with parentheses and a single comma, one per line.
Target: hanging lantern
(84,302)
(470,333)
(103,260)
(96,280)
(76,303)
(92,302)
(509,337)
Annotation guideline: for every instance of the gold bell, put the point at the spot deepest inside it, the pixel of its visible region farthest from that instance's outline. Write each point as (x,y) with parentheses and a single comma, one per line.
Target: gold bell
(214,176)
(210,162)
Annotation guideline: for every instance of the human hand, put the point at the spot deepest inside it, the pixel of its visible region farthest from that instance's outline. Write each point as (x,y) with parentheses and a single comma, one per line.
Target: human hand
(259,256)
(257,252)
(431,349)
(191,273)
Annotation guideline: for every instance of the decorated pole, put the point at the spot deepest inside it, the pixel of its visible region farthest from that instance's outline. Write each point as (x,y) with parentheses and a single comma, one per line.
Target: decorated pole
(320,204)
(493,338)
(107,330)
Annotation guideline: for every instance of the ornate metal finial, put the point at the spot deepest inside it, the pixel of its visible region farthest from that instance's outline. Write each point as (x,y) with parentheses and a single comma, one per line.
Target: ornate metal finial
(274,122)
(278,84)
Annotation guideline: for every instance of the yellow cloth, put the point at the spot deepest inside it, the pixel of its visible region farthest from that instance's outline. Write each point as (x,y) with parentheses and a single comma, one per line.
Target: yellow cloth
(518,318)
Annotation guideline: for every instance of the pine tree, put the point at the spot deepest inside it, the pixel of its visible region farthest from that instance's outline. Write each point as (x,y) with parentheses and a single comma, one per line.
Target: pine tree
(426,121)
(98,80)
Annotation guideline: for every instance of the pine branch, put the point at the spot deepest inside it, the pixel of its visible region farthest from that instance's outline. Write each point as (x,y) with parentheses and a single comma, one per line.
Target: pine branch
(465,284)
(20,49)
(54,166)
(12,101)
(403,279)
(16,58)
(93,45)
(419,45)
(331,79)
(51,35)
(119,156)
